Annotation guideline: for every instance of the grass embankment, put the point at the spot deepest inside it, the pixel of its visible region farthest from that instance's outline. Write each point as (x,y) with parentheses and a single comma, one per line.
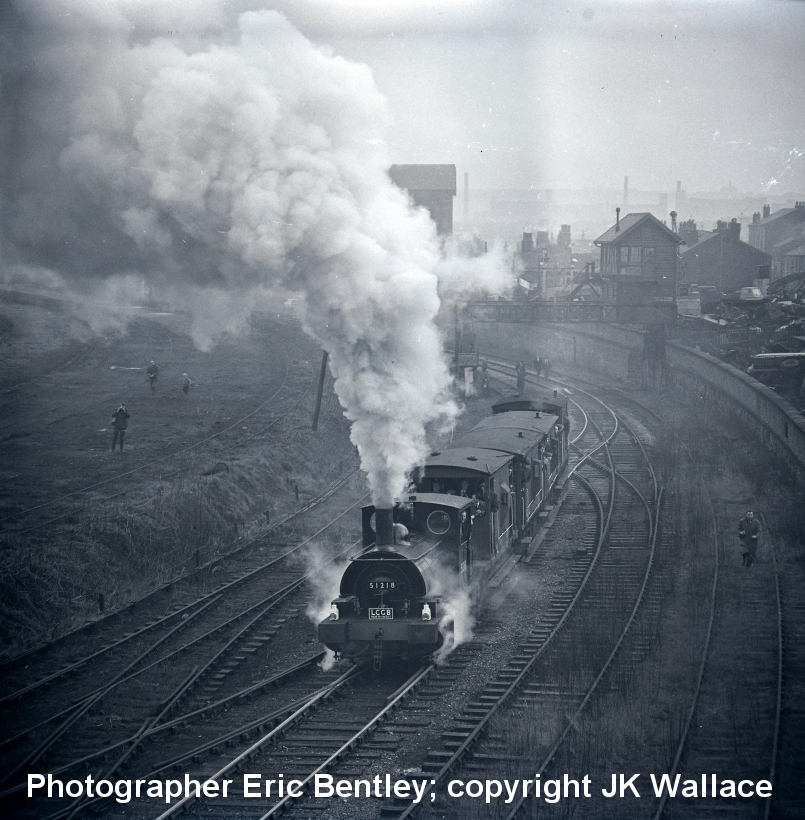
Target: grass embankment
(51,578)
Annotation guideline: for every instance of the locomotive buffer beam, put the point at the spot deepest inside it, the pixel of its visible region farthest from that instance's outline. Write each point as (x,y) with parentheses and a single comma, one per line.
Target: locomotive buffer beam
(656,312)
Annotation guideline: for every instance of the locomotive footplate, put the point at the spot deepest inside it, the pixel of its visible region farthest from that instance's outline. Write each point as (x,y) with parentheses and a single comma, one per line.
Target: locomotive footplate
(411,632)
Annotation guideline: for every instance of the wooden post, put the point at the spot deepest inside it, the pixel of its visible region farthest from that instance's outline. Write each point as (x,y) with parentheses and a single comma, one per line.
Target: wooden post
(458,343)
(323,373)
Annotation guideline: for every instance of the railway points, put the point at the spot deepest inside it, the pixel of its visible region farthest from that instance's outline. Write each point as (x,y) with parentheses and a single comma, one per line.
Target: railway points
(618,496)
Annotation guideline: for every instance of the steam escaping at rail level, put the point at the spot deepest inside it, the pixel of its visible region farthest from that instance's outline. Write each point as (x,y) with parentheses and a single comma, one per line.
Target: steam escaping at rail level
(218,162)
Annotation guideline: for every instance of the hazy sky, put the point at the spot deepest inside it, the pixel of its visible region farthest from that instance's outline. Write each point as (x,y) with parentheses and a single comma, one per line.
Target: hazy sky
(573,94)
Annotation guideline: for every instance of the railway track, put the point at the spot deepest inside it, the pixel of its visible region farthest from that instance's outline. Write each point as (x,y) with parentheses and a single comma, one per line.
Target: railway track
(226,665)
(283,402)
(226,618)
(155,464)
(732,728)
(559,664)
(89,356)
(559,668)
(338,740)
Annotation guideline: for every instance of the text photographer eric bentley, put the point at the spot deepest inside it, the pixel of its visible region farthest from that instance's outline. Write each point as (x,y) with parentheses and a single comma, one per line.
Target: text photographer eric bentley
(417,790)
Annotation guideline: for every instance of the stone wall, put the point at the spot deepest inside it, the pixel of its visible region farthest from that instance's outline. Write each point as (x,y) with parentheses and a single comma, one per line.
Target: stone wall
(616,352)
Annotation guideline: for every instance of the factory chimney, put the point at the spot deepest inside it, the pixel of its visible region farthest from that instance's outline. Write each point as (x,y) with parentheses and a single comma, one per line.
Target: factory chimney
(626,193)
(384,524)
(617,219)
(466,196)
(673,221)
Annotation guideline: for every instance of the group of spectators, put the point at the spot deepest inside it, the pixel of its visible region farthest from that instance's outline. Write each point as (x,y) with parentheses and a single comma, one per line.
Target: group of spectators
(121,416)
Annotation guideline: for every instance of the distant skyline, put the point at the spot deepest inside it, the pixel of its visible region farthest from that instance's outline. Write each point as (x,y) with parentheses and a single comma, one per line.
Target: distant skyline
(581,94)
(116,114)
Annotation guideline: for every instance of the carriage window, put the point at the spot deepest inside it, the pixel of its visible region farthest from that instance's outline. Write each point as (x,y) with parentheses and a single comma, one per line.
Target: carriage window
(438,522)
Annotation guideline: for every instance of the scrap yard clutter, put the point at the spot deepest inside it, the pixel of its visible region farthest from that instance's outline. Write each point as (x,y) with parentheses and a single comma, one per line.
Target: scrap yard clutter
(417,789)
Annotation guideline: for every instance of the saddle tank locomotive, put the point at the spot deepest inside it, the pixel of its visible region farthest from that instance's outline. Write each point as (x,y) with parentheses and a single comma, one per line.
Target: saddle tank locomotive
(474,502)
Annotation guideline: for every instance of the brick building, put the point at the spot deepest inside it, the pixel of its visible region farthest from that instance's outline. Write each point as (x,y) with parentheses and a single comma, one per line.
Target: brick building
(432,187)
(794,261)
(720,259)
(772,229)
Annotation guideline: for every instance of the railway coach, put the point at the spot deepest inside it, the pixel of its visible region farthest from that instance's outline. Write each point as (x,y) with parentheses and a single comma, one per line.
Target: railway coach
(472,503)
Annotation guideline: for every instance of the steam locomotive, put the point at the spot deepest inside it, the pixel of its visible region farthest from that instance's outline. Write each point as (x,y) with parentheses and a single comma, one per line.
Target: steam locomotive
(474,502)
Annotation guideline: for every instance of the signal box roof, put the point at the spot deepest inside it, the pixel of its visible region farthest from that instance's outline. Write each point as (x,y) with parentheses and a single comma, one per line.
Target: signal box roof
(629,223)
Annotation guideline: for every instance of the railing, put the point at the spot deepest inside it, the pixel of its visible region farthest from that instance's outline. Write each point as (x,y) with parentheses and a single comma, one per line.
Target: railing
(571,312)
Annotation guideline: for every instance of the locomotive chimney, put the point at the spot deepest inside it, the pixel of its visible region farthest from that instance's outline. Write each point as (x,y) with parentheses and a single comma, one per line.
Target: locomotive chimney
(384,523)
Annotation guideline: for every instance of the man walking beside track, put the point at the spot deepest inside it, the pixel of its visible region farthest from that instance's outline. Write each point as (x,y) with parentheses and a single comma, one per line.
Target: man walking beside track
(120,421)
(748,531)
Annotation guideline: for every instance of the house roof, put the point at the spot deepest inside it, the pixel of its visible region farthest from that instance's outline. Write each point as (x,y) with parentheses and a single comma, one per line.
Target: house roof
(708,237)
(786,244)
(775,215)
(424,177)
(703,236)
(800,251)
(629,223)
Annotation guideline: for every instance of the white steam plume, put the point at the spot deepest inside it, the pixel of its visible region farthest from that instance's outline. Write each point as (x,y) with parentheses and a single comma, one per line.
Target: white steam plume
(228,163)
(324,581)
(456,605)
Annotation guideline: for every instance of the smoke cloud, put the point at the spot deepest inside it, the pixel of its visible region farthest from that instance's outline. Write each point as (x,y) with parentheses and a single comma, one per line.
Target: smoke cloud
(221,156)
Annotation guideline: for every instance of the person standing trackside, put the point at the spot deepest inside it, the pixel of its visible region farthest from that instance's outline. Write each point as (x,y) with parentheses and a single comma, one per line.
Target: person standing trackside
(546,366)
(153,373)
(520,368)
(186,383)
(748,531)
(120,421)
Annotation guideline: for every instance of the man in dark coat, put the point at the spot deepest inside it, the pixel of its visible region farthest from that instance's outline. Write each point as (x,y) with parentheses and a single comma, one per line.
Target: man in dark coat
(153,374)
(748,531)
(120,421)
(520,369)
